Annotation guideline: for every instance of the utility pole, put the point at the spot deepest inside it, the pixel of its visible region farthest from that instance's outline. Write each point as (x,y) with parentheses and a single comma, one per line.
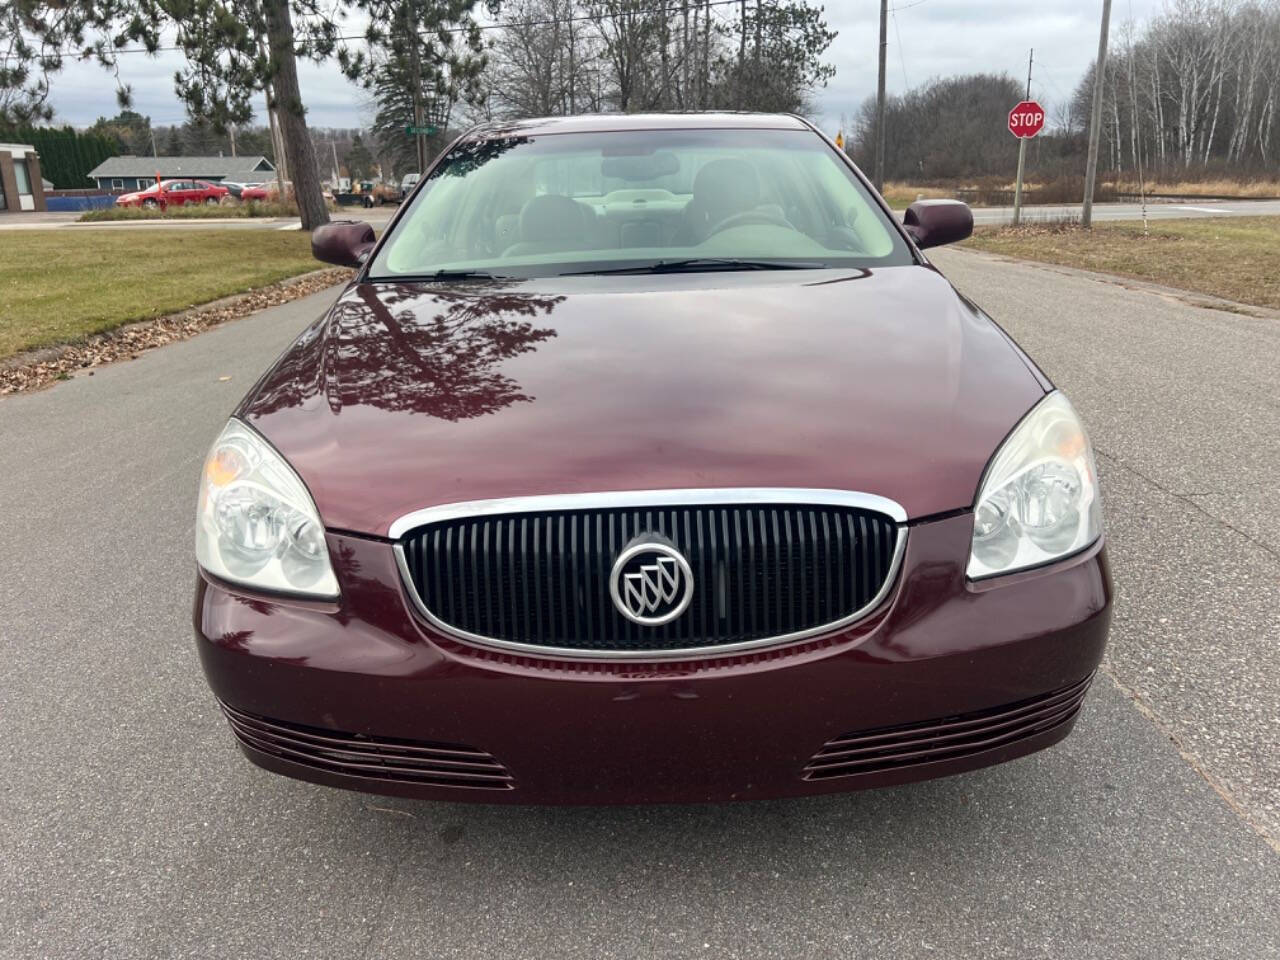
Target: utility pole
(415,62)
(685,99)
(1022,152)
(742,52)
(884,46)
(1095,121)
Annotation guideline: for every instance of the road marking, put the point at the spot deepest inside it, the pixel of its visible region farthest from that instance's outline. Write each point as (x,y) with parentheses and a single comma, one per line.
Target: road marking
(1204,209)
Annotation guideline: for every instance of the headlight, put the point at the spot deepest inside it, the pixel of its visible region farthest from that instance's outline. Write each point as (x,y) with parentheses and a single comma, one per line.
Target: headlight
(256,524)
(1039,499)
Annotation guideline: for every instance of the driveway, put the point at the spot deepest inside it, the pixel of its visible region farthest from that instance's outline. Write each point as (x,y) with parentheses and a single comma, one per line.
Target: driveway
(130,826)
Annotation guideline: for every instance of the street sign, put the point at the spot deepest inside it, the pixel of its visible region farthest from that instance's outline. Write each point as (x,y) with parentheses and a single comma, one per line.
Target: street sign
(413,131)
(1026,119)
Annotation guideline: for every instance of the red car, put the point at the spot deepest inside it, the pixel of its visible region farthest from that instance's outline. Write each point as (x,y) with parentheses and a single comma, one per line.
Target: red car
(264,191)
(648,458)
(173,193)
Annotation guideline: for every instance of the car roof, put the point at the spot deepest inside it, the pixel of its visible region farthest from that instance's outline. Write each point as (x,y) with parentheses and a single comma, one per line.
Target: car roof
(603,122)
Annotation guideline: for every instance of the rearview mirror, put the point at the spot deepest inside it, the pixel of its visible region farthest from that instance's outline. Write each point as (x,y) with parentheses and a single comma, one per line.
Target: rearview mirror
(932,223)
(642,167)
(343,242)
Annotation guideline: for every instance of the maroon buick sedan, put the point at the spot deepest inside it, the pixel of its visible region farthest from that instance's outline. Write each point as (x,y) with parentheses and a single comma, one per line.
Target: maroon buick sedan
(648,458)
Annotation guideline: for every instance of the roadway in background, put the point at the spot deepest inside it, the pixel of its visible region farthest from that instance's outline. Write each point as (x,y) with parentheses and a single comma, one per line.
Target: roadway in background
(379,216)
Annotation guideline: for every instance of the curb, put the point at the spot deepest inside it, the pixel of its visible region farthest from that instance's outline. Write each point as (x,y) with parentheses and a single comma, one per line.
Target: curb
(33,369)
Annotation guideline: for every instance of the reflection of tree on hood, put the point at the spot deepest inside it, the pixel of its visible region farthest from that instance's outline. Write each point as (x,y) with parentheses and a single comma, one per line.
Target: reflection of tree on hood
(405,347)
(442,365)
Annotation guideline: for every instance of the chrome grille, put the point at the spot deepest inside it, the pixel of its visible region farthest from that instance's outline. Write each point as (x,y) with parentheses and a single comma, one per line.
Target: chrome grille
(541,579)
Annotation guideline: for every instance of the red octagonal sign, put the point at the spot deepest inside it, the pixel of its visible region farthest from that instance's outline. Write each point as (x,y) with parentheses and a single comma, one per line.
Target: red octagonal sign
(1026,119)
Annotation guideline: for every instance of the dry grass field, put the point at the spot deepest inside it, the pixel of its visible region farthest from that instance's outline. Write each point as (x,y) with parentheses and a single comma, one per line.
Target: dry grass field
(1237,258)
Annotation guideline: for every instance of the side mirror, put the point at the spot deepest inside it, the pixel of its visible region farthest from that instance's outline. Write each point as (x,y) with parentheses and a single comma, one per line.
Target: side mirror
(932,223)
(343,242)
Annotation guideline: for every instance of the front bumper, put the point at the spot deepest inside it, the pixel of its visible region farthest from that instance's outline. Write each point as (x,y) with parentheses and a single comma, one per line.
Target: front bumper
(946,676)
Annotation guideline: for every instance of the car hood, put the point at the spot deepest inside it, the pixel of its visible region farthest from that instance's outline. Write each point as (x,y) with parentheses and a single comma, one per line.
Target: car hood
(410,395)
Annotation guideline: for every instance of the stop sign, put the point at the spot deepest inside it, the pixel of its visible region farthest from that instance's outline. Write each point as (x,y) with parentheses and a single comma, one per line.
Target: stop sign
(1026,119)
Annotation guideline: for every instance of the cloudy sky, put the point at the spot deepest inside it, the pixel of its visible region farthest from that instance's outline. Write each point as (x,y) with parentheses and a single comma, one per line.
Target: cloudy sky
(927,38)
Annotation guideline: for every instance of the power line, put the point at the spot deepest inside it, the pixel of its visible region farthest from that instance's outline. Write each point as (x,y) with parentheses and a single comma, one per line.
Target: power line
(902,57)
(86,53)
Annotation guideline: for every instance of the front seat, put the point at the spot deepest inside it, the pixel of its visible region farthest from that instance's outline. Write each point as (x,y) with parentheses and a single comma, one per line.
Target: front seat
(721,189)
(551,223)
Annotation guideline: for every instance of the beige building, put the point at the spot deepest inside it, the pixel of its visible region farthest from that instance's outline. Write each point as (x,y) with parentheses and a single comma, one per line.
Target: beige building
(20,185)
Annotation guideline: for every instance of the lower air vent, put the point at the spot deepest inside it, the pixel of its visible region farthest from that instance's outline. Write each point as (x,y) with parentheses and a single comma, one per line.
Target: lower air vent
(949,738)
(403,761)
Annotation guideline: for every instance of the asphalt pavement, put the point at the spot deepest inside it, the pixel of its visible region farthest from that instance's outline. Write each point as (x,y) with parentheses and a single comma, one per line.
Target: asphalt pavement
(379,216)
(131,827)
(63,220)
(1154,210)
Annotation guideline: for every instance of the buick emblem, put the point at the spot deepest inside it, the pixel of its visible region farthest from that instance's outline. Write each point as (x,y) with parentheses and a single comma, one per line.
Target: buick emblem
(651,583)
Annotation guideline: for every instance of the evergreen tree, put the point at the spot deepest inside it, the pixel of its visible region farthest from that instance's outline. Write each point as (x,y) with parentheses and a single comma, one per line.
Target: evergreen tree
(425,57)
(132,130)
(359,160)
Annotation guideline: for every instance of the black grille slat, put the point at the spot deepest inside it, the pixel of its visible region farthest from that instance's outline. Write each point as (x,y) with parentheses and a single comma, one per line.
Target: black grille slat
(542,579)
(405,761)
(946,738)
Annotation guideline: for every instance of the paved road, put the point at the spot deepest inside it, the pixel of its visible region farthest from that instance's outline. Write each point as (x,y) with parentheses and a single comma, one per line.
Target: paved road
(130,827)
(378,216)
(1161,210)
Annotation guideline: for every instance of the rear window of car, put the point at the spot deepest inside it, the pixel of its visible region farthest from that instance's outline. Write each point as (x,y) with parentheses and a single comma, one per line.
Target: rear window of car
(577,202)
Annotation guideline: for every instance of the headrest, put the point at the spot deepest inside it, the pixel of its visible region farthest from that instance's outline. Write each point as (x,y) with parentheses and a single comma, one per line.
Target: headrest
(552,217)
(726,187)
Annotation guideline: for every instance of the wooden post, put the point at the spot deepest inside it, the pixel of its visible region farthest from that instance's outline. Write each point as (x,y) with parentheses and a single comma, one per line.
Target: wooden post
(884,45)
(1022,152)
(1095,121)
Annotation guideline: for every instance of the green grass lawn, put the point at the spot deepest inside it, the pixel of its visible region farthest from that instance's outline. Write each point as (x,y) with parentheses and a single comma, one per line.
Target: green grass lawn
(59,286)
(1237,258)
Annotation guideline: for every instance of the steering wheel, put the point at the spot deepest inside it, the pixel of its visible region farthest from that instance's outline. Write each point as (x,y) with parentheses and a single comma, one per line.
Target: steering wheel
(749,218)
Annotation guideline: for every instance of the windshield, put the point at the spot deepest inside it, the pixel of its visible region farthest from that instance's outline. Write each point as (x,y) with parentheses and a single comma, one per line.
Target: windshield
(545,205)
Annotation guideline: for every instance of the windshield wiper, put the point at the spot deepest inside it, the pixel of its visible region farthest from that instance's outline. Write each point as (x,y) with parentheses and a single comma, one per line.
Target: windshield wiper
(703,264)
(442,275)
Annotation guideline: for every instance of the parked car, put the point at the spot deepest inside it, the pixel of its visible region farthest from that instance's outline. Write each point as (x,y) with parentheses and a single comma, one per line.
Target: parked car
(268,191)
(174,193)
(407,184)
(376,193)
(649,458)
(234,189)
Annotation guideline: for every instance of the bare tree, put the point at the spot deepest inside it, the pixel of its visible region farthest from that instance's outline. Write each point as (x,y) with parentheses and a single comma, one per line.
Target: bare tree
(570,56)
(1197,88)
